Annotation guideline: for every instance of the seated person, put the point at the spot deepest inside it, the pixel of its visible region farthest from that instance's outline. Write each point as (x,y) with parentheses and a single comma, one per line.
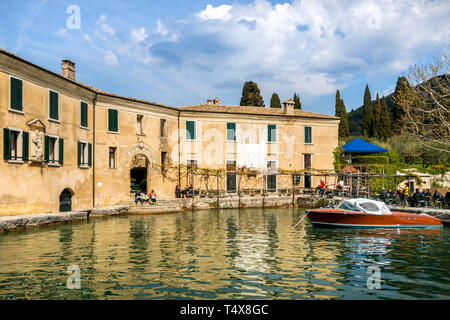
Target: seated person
(188,191)
(383,195)
(417,198)
(152,196)
(145,198)
(437,197)
(138,197)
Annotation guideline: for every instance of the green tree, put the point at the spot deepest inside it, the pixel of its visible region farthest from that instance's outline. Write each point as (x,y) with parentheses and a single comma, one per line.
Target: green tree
(398,110)
(367,124)
(341,112)
(298,104)
(376,120)
(384,128)
(251,95)
(275,101)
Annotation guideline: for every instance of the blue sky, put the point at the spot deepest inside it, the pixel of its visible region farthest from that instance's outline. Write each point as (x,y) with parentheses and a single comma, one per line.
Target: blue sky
(183,52)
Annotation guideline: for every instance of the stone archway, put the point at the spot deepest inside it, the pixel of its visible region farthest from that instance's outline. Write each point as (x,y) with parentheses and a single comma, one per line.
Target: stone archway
(137,166)
(139,173)
(65,200)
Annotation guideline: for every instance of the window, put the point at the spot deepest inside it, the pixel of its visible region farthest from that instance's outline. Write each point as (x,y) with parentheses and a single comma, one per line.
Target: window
(308,135)
(15,145)
(162,123)
(113,120)
(53,105)
(271,176)
(345,205)
(163,161)
(231,131)
(84,154)
(190,130)
(271,133)
(53,150)
(83,114)
(307,161)
(192,165)
(140,124)
(307,164)
(16,94)
(231,182)
(112,158)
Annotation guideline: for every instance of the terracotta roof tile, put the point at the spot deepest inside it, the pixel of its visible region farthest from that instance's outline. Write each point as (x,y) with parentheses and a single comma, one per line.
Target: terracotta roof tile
(253,110)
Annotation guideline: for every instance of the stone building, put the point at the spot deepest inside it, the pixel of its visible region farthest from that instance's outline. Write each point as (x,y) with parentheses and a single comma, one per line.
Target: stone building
(69,146)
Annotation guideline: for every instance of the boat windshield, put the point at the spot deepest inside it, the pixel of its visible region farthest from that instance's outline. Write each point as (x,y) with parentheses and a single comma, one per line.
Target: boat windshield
(374,207)
(345,205)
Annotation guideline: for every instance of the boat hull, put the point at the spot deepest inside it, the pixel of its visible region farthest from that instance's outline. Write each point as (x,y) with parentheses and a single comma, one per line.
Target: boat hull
(345,219)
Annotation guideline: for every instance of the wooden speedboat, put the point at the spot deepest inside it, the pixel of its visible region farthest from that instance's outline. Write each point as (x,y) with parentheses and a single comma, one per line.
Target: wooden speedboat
(365,213)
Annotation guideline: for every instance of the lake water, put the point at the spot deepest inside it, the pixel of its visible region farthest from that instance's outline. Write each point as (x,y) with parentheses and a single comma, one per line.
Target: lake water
(231,254)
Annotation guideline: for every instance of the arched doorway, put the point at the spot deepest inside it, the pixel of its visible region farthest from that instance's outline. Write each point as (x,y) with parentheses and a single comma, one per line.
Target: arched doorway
(139,173)
(65,200)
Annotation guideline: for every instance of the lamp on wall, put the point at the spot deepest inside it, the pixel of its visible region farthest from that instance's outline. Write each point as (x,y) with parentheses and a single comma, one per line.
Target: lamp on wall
(141,144)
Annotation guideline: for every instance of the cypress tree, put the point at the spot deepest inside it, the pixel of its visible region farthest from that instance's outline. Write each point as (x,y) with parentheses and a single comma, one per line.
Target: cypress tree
(367,125)
(398,114)
(337,110)
(251,95)
(275,101)
(384,130)
(341,112)
(376,120)
(298,104)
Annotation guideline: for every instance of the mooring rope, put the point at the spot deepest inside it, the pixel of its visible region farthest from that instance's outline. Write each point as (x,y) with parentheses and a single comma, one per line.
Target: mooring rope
(301,219)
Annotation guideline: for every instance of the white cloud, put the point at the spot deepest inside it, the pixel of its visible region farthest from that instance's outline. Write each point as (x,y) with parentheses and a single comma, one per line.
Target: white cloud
(211,13)
(315,46)
(161,29)
(110,58)
(104,27)
(61,32)
(138,35)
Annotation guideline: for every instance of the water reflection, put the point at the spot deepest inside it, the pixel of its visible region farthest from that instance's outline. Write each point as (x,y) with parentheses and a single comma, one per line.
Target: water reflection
(230,254)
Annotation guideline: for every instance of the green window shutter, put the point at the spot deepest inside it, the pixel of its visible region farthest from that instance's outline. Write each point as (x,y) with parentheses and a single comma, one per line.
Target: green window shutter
(116,120)
(307,134)
(79,153)
(61,151)
(272,133)
(16,94)
(89,154)
(25,141)
(54,112)
(84,114)
(113,120)
(46,148)
(190,130)
(6,144)
(231,131)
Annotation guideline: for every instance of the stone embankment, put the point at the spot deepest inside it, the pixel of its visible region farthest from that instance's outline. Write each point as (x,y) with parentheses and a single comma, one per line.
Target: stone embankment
(13,223)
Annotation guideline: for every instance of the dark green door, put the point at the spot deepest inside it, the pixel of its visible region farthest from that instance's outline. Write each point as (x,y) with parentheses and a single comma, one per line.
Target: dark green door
(65,201)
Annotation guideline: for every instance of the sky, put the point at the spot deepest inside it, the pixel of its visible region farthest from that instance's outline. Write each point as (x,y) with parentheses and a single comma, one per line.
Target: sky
(184,52)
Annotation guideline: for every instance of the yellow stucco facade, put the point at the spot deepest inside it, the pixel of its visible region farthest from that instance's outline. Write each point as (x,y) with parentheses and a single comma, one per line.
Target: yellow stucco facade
(41,155)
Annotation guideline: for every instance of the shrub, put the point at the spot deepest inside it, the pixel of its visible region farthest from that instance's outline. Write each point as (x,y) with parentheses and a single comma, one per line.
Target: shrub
(370,160)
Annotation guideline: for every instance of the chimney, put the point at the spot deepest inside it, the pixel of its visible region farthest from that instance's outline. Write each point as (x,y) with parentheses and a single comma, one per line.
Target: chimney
(216,101)
(68,69)
(209,101)
(289,107)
